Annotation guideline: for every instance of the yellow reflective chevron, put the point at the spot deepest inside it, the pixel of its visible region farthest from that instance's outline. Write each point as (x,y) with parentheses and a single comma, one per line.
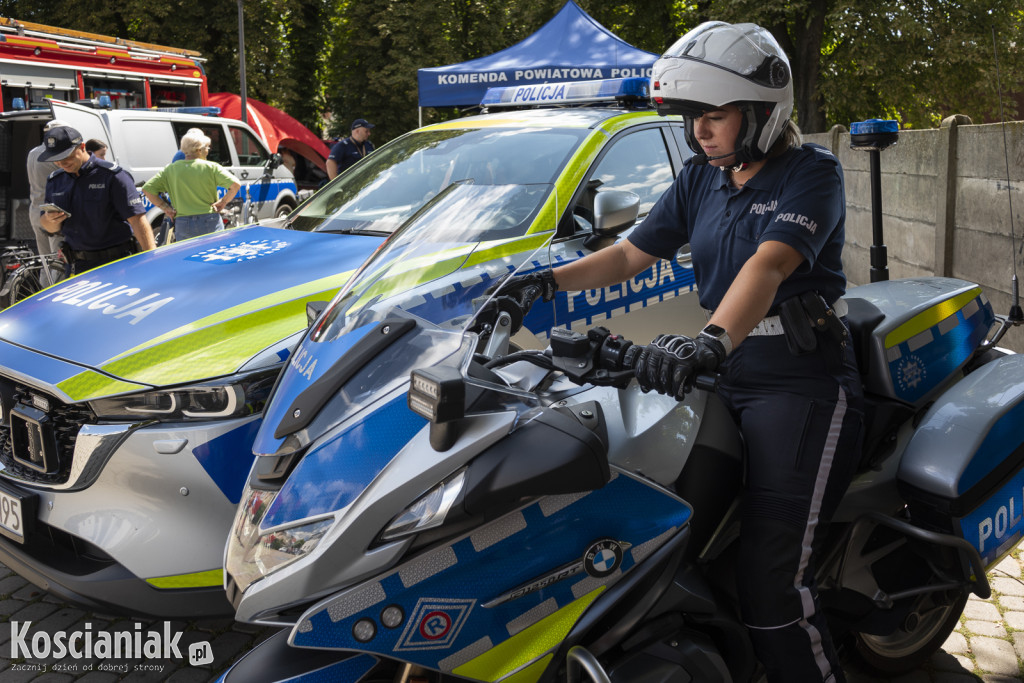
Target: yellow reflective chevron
(529,644)
(90,384)
(566,184)
(327,286)
(612,126)
(403,277)
(489,251)
(208,579)
(930,317)
(216,350)
(530,674)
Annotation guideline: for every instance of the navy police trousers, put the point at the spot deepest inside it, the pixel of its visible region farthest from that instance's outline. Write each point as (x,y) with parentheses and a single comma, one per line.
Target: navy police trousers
(802,422)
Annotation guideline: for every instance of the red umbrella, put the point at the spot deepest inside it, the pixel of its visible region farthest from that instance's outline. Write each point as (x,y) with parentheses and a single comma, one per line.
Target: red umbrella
(278,129)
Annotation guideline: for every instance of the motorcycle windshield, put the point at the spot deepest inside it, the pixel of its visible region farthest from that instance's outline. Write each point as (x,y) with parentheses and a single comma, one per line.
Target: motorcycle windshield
(411,305)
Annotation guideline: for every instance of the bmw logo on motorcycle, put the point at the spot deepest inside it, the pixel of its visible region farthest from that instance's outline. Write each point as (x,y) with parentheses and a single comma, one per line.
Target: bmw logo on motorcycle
(603,557)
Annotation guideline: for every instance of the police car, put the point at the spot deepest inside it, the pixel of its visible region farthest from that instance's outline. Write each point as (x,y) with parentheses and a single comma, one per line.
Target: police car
(131,394)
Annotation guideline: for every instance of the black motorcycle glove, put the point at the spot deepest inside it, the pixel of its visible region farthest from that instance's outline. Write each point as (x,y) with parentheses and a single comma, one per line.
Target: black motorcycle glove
(527,288)
(670,363)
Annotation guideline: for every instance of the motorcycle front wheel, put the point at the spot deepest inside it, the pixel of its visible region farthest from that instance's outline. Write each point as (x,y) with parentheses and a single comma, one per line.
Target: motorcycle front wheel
(922,633)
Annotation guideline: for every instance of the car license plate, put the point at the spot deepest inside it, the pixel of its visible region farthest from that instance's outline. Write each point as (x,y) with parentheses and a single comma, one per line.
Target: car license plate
(17,511)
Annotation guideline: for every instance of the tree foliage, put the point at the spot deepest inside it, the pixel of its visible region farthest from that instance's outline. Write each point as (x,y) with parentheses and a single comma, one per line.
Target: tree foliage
(917,61)
(327,62)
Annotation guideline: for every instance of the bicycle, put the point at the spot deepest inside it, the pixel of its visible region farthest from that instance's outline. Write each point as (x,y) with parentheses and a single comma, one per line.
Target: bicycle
(23,273)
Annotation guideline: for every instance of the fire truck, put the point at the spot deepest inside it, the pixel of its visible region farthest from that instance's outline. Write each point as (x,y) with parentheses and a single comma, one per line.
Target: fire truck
(39,62)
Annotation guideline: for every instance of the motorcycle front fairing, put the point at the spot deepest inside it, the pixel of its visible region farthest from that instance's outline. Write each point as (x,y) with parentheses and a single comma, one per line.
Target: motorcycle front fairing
(371,542)
(420,290)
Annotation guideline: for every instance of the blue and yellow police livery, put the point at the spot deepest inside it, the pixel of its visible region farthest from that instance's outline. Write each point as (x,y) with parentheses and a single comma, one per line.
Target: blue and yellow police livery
(131,394)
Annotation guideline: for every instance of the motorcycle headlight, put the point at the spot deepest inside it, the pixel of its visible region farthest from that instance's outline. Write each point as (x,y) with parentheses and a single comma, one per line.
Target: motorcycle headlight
(234,396)
(252,554)
(429,511)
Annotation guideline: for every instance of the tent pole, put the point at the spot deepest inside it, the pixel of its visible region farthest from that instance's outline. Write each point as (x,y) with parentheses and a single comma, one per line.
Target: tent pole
(421,116)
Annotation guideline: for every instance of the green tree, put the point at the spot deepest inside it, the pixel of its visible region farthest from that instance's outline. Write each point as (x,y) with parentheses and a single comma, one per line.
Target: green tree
(914,60)
(308,34)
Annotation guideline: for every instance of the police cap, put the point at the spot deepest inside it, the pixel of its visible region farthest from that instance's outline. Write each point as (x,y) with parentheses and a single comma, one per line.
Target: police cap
(59,143)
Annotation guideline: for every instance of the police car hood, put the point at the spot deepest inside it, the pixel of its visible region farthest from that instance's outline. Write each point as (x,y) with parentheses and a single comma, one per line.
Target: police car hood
(187,312)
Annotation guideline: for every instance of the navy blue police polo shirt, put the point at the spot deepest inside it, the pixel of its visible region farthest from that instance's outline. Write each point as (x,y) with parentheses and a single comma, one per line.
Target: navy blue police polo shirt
(345,153)
(100,199)
(796,198)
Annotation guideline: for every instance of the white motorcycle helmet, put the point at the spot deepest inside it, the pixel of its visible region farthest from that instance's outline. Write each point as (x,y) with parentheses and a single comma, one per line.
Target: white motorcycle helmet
(717,64)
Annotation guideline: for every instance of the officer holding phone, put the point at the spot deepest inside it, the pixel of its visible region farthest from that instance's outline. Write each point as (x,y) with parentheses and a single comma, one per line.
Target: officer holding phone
(95,204)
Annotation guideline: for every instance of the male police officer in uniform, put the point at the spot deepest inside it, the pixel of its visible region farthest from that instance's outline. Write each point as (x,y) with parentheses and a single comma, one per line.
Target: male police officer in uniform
(101,206)
(350,150)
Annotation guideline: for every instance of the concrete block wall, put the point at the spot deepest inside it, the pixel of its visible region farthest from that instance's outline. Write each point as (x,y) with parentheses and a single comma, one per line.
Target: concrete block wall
(945,206)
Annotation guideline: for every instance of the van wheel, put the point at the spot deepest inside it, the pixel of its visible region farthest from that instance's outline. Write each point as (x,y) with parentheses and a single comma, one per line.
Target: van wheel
(284,210)
(923,631)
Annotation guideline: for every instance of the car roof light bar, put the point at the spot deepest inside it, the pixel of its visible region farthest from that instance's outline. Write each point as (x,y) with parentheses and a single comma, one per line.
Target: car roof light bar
(568,92)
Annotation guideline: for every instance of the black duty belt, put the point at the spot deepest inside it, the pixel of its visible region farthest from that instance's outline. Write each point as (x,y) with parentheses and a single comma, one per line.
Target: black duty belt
(101,254)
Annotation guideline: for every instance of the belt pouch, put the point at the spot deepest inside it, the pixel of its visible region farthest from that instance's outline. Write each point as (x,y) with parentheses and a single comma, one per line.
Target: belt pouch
(800,337)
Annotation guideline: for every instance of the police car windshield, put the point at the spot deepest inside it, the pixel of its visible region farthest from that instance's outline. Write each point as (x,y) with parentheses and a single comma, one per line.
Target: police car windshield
(386,189)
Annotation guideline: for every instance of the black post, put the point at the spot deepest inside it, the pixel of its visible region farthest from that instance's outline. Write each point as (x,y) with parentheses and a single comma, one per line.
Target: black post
(873,136)
(879,254)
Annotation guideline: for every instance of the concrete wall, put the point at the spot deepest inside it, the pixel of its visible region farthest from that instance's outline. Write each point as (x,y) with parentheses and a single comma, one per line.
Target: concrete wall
(945,206)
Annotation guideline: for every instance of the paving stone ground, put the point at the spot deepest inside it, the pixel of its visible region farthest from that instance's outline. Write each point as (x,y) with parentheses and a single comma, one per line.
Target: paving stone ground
(988,644)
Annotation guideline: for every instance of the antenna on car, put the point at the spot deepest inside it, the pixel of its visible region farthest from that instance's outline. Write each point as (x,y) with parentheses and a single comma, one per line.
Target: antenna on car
(1016,314)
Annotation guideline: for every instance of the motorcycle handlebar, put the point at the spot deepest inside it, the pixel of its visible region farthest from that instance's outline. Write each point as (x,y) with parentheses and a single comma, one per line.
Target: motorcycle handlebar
(615,355)
(597,357)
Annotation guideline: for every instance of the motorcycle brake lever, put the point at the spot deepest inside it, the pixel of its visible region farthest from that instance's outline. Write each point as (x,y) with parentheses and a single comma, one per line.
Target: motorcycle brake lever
(611,378)
(706,382)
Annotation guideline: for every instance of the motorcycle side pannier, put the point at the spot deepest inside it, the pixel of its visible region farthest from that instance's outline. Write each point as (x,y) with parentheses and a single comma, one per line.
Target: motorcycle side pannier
(924,332)
(965,461)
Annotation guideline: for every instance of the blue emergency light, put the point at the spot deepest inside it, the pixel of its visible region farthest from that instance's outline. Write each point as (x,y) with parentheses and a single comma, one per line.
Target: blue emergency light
(202,111)
(568,92)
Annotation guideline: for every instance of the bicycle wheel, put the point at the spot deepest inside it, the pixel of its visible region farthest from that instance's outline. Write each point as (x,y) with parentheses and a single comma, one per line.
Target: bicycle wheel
(23,283)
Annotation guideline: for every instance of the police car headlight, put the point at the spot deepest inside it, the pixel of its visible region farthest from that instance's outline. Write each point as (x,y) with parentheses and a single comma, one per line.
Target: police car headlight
(429,511)
(252,553)
(234,396)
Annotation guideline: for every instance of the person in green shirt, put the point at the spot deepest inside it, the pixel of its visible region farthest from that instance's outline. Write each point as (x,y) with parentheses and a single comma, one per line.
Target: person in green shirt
(192,185)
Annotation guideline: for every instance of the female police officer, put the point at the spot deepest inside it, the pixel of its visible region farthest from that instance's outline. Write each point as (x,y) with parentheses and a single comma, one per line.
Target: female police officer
(764,218)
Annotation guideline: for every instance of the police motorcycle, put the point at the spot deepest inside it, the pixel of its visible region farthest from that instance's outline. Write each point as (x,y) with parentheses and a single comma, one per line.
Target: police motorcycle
(431,502)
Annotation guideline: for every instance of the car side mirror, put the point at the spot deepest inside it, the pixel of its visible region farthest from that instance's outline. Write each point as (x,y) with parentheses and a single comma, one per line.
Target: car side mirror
(615,211)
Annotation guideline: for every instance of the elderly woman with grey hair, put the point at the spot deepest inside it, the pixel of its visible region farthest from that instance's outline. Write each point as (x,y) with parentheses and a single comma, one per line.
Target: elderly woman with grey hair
(192,185)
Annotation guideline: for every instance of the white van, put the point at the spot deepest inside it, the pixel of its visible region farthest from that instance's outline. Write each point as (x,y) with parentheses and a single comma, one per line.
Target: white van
(143,141)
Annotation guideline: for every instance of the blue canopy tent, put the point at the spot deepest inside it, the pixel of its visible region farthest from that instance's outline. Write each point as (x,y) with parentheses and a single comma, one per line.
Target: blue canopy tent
(570,47)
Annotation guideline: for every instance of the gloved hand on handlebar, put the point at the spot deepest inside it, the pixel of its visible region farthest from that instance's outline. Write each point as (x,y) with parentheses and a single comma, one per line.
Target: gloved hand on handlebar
(527,288)
(518,293)
(671,362)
